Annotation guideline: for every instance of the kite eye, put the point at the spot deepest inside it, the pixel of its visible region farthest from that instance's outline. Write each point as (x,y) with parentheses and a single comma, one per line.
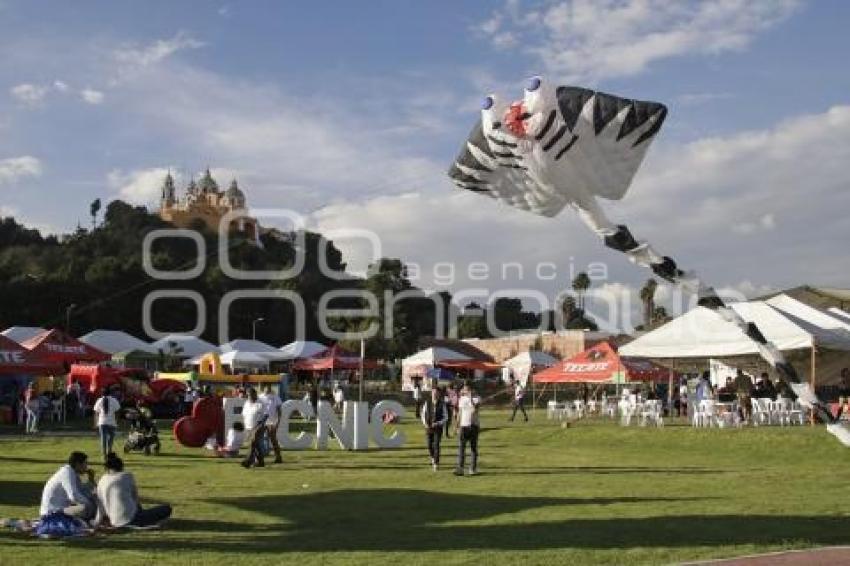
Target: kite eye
(533,84)
(487,103)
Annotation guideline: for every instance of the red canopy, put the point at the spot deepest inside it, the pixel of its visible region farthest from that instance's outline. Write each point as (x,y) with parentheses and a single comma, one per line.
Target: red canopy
(58,347)
(602,364)
(332,359)
(15,359)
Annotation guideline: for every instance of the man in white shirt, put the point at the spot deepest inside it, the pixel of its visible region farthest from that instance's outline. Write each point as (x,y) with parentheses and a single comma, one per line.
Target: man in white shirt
(65,492)
(273,404)
(339,397)
(519,399)
(468,423)
(254,417)
(417,397)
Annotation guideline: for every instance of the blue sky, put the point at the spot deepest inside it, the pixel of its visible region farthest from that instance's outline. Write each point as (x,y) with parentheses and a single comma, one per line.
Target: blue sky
(351,112)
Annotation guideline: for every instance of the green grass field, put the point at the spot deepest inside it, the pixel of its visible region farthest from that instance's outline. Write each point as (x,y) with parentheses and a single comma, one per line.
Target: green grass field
(592,493)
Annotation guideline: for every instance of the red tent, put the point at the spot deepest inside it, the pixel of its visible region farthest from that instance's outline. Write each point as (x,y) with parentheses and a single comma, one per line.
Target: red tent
(333,359)
(58,347)
(602,364)
(15,359)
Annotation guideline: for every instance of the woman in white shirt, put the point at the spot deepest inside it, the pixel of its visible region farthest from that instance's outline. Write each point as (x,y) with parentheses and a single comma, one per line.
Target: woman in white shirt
(105,410)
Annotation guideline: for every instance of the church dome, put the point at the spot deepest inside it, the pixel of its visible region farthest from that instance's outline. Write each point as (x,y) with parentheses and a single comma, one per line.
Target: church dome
(208,184)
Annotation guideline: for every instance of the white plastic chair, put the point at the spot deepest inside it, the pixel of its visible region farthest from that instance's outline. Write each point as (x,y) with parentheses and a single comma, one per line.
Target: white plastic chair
(579,408)
(651,411)
(708,412)
(551,409)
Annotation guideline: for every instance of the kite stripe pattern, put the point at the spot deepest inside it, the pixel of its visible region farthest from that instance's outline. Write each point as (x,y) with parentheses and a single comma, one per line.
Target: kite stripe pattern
(512,156)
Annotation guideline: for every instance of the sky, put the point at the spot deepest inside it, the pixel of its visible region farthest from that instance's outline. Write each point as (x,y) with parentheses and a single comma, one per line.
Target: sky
(351,113)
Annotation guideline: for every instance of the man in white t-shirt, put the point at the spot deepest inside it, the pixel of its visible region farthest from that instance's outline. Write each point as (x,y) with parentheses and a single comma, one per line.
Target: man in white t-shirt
(469,425)
(254,418)
(66,492)
(273,404)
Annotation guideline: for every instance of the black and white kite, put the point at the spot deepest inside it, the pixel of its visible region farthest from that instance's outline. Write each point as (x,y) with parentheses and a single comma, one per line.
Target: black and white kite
(566,146)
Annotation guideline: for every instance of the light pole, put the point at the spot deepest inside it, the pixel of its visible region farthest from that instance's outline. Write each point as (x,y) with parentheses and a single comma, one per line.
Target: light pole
(362,358)
(68,310)
(254,327)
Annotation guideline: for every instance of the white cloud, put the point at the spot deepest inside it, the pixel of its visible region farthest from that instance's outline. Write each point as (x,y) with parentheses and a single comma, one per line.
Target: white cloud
(14,168)
(8,211)
(141,186)
(28,93)
(60,86)
(91,96)
(787,182)
(588,40)
(765,223)
(144,56)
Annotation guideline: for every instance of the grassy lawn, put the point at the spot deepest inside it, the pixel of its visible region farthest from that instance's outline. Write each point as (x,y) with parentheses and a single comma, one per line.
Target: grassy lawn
(592,493)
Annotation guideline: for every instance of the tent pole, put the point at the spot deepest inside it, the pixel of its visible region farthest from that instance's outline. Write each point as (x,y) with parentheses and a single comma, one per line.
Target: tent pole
(670,392)
(814,379)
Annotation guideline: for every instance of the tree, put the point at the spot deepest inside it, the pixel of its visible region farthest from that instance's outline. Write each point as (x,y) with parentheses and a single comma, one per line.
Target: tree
(647,297)
(581,284)
(94,208)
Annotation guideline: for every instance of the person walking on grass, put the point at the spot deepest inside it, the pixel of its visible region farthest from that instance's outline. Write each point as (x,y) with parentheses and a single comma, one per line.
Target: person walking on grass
(450,397)
(519,401)
(468,425)
(273,404)
(254,418)
(417,397)
(434,416)
(105,410)
(32,407)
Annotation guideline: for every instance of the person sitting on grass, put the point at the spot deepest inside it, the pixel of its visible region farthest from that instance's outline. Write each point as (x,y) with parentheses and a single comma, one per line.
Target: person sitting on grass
(118,499)
(65,493)
(233,442)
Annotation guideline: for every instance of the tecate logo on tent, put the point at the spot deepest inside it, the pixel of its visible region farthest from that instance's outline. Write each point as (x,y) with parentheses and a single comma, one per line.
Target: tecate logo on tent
(11,357)
(585,367)
(66,349)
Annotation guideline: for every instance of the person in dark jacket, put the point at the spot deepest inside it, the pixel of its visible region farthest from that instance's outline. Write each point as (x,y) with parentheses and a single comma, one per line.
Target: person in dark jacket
(434,415)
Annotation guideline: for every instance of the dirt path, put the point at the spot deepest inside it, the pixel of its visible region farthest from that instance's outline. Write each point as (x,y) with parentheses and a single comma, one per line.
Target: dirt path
(829,556)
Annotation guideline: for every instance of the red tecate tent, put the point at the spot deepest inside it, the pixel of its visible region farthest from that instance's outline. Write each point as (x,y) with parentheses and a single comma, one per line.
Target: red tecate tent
(57,347)
(333,359)
(602,364)
(17,360)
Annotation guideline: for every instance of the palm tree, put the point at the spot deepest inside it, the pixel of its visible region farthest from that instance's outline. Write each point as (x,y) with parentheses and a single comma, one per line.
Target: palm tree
(581,284)
(647,297)
(94,208)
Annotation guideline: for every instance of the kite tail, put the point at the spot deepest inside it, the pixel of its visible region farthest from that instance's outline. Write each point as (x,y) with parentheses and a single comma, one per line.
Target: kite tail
(619,238)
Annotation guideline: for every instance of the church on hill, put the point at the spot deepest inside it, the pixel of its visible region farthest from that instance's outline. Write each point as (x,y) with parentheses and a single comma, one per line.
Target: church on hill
(205,202)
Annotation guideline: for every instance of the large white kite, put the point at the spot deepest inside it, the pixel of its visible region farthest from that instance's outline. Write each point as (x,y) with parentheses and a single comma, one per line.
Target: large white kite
(566,146)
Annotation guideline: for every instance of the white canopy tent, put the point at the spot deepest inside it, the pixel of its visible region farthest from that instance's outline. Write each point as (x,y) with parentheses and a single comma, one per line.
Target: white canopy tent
(189,346)
(420,362)
(22,333)
(524,363)
(301,349)
(840,314)
(267,351)
(702,333)
(238,359)
(114,341)
(829,330)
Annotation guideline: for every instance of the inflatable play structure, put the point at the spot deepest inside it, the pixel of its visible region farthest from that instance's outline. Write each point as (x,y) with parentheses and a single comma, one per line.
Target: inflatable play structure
(212,372)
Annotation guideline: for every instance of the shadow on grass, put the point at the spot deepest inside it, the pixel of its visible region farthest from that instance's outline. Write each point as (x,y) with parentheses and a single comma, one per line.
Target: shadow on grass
(405,520)
(20,493)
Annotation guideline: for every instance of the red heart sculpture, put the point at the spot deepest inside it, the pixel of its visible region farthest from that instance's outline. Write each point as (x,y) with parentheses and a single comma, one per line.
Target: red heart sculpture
(207,420)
